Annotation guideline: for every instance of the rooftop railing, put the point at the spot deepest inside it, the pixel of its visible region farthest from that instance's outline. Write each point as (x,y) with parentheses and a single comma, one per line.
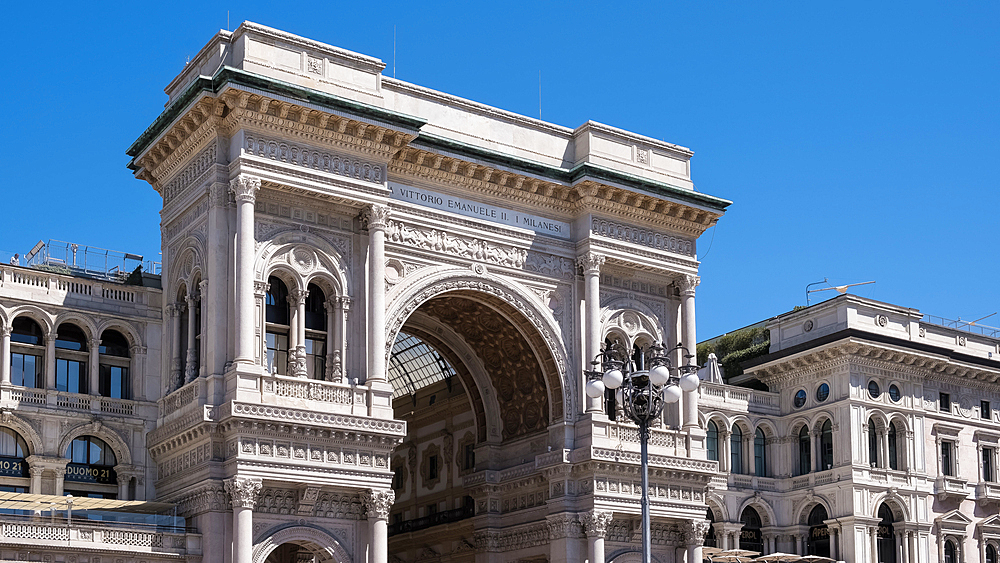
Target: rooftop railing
(968,326)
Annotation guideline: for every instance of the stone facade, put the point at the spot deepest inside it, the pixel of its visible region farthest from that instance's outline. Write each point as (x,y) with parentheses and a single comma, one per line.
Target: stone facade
(877,439)
(316,215)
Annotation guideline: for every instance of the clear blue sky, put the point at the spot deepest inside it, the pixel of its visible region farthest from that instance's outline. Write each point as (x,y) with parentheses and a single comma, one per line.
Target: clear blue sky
(858,140)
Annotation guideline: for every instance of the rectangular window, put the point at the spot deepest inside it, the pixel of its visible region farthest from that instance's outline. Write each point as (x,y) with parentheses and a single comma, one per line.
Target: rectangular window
(71,376)
(315,358)
(432,468)
(114,382)
(25,370)
(945,402)
(946,459)
(984,410)
(988,471)
(277,353)
(432,509)
(397,478)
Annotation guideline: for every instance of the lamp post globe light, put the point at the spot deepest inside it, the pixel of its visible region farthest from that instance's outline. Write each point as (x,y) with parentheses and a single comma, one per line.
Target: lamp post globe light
(645,382)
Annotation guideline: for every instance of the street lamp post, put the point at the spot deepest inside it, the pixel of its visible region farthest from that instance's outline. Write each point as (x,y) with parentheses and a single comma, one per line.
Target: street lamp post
(645,381)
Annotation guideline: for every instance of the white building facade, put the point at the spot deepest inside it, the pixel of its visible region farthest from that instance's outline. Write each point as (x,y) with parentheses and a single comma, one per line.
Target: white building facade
(377,305)
(877,439)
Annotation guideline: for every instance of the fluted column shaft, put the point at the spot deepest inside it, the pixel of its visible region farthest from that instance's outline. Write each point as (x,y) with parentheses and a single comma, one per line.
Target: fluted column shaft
(591,265)
(243,493)
(5,355)
(93,367)
(690,341)
(174,310)
(245,190)
(191,362)
(377,217)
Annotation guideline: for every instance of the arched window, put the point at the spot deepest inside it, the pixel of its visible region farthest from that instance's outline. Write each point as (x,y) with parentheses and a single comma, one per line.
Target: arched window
(276,313)
(872,444)
(13,450)
(991,554)
(805,451)
(950,553)
(886,535)
(750,536)
(114,380)
(826,446)
(759,453)
(819,533)
(91,468)
(893,452)
(736,450)
(27,349)
(315,333)
(71,359)
(712,441)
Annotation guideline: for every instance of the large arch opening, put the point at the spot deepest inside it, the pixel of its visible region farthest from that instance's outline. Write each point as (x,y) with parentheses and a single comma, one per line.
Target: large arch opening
(478,389)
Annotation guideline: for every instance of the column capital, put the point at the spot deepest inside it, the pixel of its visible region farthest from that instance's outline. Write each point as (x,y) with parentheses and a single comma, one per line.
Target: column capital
(93,344)
(687,284)
(298,297)
(376,217)
(596,522)
(243,491)
(5,331)
(260,288)
(694,531)
(377,503)
(175,309)
(591,262)
(245,188)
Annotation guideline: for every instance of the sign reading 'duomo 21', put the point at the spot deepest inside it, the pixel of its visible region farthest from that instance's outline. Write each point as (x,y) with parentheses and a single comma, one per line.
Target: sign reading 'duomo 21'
(477,210)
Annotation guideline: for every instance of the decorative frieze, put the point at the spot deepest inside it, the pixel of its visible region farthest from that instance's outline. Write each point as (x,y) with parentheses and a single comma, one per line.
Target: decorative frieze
(466,247)
(307,157)
(643,237)
(193,171)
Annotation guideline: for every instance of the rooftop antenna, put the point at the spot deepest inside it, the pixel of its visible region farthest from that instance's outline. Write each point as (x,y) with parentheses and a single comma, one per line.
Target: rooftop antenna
(539,94)
(841,289)
(394,51)
(227,21)
(810,285)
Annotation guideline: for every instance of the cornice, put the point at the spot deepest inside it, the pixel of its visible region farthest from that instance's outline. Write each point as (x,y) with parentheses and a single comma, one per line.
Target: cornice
(359,60)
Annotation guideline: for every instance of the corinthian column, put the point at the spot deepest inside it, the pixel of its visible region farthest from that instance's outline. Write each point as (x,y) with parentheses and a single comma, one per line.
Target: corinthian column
(591,264)
(175,310)
(694,536)
(5,355)
(595,524)
(690,341)
(377,504)
(191,361)
(243,493)
(377,217)
(297,348)
(245,190)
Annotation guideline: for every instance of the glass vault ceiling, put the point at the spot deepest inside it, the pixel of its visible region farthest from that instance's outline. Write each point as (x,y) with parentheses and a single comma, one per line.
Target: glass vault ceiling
(414,364)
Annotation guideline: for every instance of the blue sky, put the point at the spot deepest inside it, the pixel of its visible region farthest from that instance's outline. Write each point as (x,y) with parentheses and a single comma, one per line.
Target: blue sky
(858,140)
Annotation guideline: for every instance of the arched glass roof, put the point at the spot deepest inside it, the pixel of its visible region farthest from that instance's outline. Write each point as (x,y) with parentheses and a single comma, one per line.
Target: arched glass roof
(414,364)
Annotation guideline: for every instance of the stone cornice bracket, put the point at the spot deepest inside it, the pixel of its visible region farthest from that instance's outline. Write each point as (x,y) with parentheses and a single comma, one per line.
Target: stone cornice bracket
(591,262)
(687,284)
(596,522)
(243,491)
(377,503)
(245,188)
(376,217)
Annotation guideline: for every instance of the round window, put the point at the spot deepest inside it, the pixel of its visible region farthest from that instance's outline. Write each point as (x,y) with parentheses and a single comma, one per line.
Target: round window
(874,390)
(894,393)
(800,398)
(822,392)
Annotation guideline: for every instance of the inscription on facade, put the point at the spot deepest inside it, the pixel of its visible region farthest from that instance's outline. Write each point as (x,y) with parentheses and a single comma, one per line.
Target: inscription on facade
(468,208)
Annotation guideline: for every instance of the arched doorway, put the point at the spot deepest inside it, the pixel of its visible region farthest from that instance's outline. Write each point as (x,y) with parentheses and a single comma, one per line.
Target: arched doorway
(478,388)
(710,536)
(300,544)
(819,533)
(750,536)
(294,553)
(886,535)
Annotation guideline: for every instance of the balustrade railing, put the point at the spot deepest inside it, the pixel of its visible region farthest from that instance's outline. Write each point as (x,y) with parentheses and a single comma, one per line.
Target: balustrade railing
(740,399)
(64,400)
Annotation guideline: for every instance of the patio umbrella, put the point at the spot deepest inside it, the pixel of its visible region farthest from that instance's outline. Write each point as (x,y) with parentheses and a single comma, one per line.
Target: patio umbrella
(779,557)
(719,558)
(709,551)
(816,559)
(746,553)
(714,373)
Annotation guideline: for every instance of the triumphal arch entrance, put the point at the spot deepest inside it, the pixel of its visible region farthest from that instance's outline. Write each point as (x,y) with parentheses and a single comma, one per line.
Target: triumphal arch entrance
(380,303)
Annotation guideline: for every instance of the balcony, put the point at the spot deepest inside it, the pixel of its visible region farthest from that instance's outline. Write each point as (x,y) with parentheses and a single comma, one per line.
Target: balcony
(737,399)
(987,493)
(951,487)
(20,397)
(54,536)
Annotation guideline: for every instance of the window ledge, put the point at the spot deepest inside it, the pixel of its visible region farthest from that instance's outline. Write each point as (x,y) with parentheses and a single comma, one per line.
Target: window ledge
(987,493)
(951,487)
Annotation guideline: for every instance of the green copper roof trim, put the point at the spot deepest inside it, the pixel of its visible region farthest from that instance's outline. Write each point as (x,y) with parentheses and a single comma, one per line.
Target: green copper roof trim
(570,176)
(227,75)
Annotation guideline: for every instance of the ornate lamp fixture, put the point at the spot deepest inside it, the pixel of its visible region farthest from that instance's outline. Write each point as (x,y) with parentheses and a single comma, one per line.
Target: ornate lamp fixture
(644,383)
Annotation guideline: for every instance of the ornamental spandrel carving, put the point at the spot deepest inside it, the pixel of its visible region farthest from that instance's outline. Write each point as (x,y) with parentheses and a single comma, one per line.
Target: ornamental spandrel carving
(243,491)
(466,247)
(244,188)
(548,264)
(377,503)
(596,522)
